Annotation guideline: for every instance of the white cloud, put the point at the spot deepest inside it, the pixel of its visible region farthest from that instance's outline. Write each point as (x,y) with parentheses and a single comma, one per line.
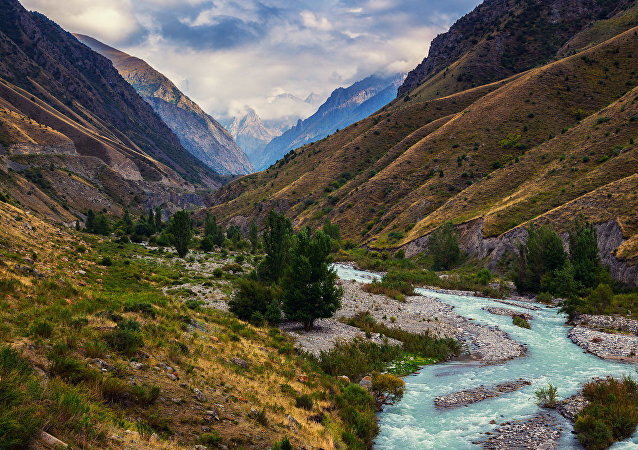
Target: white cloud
(229,55)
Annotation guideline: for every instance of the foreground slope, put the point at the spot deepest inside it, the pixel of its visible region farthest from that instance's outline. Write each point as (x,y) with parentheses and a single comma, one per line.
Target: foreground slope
(198,132)
(496,156)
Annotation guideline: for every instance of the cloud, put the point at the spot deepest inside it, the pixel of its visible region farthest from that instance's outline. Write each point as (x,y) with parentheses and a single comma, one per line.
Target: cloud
(229,55)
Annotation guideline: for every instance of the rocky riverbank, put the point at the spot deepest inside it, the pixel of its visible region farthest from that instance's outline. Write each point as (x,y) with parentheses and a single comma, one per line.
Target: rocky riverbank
(616,346)
(469,396)
(418,314)
(604,323)
(541,431)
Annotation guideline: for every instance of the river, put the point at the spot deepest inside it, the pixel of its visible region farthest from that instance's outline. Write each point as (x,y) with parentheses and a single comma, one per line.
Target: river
(414,423)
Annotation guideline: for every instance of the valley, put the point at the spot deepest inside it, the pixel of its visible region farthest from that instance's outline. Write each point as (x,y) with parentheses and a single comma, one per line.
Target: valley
(439,257)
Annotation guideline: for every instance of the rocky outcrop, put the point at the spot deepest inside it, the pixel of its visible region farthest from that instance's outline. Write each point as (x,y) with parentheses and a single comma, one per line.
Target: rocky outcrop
(37,149)
(473,242)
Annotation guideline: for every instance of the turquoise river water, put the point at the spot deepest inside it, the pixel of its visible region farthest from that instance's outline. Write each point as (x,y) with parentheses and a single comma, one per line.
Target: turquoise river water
(414,423)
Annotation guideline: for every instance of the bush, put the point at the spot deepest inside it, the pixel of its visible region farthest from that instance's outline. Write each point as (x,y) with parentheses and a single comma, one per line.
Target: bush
(357,409)
(284,444)
(547,397)
(444,247)
(124,340)
(41,329)
(611,415)
(212,439)
(387,388)
(253,297)
(304,401)
(357,358)
(141,307)
(520,321)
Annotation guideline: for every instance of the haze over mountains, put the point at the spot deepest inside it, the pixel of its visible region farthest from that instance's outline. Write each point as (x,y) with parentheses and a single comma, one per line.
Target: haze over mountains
(486,136)
(198,132)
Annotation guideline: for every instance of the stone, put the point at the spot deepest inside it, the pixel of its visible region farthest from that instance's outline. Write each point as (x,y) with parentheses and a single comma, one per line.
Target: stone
(302,378)
(137,365)
(343,378)
(240,362)
(199,395)
(366,382)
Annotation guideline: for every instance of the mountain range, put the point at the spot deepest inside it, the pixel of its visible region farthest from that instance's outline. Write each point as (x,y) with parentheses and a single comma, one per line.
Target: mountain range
(198,132)
(524,112)
(344,107)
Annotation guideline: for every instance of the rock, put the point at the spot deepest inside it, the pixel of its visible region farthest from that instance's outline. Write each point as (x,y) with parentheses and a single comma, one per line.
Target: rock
(366,382)
(343,378)
(302,378)
(239,362)
(199,395)
(137,365)
(103,365)
(51,441)
(292,422)
(172,376)
(200,447)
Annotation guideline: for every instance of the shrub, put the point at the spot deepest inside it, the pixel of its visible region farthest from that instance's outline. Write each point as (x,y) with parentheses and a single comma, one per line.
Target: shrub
(141,307)
(357,358)
(520,321)
(124,340)
(387,388)
(304,401)
(357,409)
(611,415)
(41,329)
(106,261)
(444,247)
(212,439)
(547,397)
(284,444)
(254,297)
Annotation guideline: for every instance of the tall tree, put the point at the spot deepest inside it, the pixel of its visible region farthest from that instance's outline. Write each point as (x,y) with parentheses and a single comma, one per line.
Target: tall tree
(444,247)
(583,250)
(253,236)
(543,253)
(309,285)
(158,218)
(276,245)
(181,231)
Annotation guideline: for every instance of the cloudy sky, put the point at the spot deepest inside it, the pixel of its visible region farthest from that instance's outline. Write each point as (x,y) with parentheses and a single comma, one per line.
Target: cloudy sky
(231,54)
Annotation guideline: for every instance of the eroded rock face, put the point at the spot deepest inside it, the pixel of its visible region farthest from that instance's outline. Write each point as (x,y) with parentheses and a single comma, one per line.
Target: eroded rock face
(473,242)
(36,149)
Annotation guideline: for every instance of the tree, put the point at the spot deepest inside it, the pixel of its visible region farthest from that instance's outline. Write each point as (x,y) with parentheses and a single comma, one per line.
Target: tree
(387,389)
(276,244)
(158,218)
(213,231)
(309,284)
(90,221)
(444,247)
(332,230)
(127,221)
(561,282)
(583,250)
(254,299)
(542,253)
(181,231)
(234,233)
(253,236)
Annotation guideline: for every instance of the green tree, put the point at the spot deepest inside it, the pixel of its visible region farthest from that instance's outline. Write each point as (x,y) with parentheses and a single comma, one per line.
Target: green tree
(234,233)
(101,225)
(309,284)
(127,222)
(562,282)
(158,219)
(181,231)
(542,253)
(213,231)
(253,236)
(444,247)
(254,299)
(583,250)
(90,221)
(332,230)
(276,245)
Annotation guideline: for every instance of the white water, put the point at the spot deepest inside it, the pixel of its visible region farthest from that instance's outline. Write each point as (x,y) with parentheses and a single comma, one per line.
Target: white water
(414,423)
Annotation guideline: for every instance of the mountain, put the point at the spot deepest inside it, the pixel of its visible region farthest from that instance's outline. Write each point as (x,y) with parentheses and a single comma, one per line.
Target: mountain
(544,145)
(251,134)
(198,132)
(501,38)
(344,107)
(75,135)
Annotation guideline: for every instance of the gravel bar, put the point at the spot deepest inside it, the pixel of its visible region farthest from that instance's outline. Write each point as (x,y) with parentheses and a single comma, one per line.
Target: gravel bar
(469,396)
(507,312)
(620,347)
(541,431)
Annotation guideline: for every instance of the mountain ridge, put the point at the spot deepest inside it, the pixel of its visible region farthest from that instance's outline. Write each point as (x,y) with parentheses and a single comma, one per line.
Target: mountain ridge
(198,132)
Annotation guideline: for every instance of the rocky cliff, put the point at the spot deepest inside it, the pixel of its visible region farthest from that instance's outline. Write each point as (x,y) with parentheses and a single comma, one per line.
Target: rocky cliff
(197,131)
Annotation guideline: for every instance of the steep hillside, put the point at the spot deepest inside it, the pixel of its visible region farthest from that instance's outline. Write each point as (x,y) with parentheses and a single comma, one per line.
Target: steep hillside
(501,38)
(252,135)
(526,148)
(75,134)
(344,107)
(198,132)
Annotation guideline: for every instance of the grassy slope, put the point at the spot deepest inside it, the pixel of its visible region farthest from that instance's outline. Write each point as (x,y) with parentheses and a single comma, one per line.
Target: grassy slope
(78,296)
(578,109)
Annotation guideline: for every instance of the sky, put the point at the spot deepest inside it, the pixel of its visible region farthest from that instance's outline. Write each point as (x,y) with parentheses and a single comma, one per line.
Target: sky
(229,55)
